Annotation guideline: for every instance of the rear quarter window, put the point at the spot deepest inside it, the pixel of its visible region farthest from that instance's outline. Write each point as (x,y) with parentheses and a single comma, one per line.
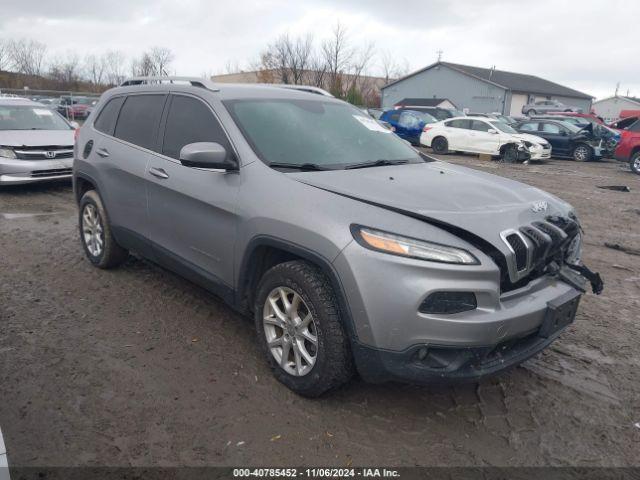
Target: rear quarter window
(139,120)
(106,121)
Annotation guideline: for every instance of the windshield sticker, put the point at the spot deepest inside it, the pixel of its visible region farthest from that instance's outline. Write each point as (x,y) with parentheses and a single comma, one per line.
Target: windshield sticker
(371,124)
(42,111)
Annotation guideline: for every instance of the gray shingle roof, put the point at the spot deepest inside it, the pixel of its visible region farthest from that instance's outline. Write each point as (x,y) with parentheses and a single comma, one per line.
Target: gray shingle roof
(517,82)
(423,102)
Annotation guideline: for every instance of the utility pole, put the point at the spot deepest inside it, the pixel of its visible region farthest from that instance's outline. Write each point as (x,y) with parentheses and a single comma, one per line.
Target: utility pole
(439,52)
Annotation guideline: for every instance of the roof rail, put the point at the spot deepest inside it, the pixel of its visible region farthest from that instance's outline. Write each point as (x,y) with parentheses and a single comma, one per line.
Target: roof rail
(193,81)
(303,88)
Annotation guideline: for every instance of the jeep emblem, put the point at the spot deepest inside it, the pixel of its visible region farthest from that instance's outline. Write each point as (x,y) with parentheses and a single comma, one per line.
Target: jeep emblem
(50,154)
(539,206)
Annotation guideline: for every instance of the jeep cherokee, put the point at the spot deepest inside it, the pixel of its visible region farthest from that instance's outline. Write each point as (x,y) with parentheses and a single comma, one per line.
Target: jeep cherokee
(351,250)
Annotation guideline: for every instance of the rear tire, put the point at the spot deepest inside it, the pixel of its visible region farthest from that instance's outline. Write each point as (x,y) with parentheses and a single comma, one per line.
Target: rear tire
(634,163)
(101,248)
(440,145)
(310,358)
(582,153)
(531,112)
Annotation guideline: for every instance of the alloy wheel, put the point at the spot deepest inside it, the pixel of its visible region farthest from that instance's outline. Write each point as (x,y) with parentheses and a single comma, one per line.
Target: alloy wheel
(290,331)
(581,153)
(92,230)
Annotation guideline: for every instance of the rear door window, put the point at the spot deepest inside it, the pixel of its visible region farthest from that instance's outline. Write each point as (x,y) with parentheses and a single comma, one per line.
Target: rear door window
(139,120)
(459,124)
(106,121)
(190,120)
(551,128)
(529,126)
(480,126)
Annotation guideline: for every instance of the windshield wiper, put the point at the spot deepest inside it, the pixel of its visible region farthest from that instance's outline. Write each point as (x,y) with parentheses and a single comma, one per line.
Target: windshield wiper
(377,163)
(298,166)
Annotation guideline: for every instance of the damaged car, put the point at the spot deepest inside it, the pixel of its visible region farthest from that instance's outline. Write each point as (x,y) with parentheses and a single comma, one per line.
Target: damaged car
(580,142)
(351,251)
(484,135)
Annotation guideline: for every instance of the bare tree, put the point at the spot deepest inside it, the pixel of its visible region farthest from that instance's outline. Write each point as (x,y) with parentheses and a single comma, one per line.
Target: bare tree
(159,59)
(65,69)
(5,57)
(337,55)
(95,67)
(392,67)
(359,62)
(27,56)
(115,62)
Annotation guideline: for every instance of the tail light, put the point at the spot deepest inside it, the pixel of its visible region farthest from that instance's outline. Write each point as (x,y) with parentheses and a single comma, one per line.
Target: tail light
(426,128)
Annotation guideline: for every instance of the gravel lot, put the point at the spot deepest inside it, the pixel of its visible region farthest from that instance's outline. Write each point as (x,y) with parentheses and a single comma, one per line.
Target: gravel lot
(137,366)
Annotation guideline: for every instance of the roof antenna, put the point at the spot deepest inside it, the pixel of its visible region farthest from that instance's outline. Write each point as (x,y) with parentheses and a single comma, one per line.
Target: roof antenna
(493,67)
(439,52)
(617,88)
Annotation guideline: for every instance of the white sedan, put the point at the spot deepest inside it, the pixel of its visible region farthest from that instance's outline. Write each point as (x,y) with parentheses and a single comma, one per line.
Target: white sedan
(483,135)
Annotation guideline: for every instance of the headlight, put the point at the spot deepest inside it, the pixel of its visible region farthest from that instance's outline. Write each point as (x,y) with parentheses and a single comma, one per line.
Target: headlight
(411,247)
(7,153)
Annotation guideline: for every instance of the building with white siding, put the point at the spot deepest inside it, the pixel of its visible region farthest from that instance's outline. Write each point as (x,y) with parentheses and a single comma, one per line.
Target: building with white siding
(481,90)
(611,108)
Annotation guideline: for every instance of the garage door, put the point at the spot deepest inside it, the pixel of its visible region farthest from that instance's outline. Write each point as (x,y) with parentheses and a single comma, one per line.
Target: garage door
(518,100)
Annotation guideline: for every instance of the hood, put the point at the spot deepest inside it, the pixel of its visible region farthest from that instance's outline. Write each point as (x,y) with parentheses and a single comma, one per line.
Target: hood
(477,202)
(36,138)
(530,138)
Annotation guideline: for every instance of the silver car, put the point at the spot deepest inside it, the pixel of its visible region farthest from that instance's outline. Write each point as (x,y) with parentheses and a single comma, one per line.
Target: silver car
(351,250)
(546,106)
(36,143)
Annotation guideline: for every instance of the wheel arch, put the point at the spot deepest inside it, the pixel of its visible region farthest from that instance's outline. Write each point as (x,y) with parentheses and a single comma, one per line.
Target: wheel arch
(82,184)
(264,252)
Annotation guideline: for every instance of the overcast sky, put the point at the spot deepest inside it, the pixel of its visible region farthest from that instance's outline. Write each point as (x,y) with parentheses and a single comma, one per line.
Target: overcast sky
(589,45)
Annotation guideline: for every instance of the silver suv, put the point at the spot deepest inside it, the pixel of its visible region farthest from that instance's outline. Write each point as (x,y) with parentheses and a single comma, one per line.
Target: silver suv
(351,250)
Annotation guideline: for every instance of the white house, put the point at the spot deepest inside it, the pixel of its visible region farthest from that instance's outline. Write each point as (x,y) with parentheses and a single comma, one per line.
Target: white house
(610,108)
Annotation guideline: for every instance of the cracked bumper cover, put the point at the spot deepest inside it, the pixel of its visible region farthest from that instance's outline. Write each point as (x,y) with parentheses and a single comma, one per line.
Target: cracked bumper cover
(429,364)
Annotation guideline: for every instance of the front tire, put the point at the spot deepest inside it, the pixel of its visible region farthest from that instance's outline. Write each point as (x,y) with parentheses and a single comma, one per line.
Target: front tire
(509,154)
(440,145)
(101,248)
(634,163)
(582,153)
(299,328)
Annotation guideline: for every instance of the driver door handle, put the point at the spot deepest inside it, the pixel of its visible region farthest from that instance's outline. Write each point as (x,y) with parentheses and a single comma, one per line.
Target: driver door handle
(102,152)
(158,172)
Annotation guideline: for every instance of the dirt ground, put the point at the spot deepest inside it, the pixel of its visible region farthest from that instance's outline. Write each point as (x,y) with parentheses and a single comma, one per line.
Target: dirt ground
(137,366)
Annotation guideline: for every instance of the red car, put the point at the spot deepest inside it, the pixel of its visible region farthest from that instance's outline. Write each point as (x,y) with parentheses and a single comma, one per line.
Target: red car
(628,150)
(624,122)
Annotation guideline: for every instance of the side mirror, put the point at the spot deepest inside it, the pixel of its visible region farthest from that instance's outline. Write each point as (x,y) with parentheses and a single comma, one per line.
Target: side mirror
(563,133)
(206,155)
(492,130)
(74,125)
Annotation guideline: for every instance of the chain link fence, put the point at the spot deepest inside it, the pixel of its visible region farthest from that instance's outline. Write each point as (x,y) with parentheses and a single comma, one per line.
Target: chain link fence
(74,106)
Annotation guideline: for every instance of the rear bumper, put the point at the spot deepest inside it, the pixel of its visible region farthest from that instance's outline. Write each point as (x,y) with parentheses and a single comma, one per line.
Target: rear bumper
(16,172)
(428,364)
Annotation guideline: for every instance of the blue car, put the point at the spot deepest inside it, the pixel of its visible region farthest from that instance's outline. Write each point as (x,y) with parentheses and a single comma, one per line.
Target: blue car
(407,124)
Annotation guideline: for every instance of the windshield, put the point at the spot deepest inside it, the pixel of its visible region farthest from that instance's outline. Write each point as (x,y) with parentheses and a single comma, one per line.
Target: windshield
(425,117)
(503,127)
(27,117)
(323,133)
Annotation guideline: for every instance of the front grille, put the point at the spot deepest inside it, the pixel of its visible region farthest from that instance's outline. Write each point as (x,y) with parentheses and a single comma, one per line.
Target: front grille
(54,172)
(44,152)
(534,247)
(519,249)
